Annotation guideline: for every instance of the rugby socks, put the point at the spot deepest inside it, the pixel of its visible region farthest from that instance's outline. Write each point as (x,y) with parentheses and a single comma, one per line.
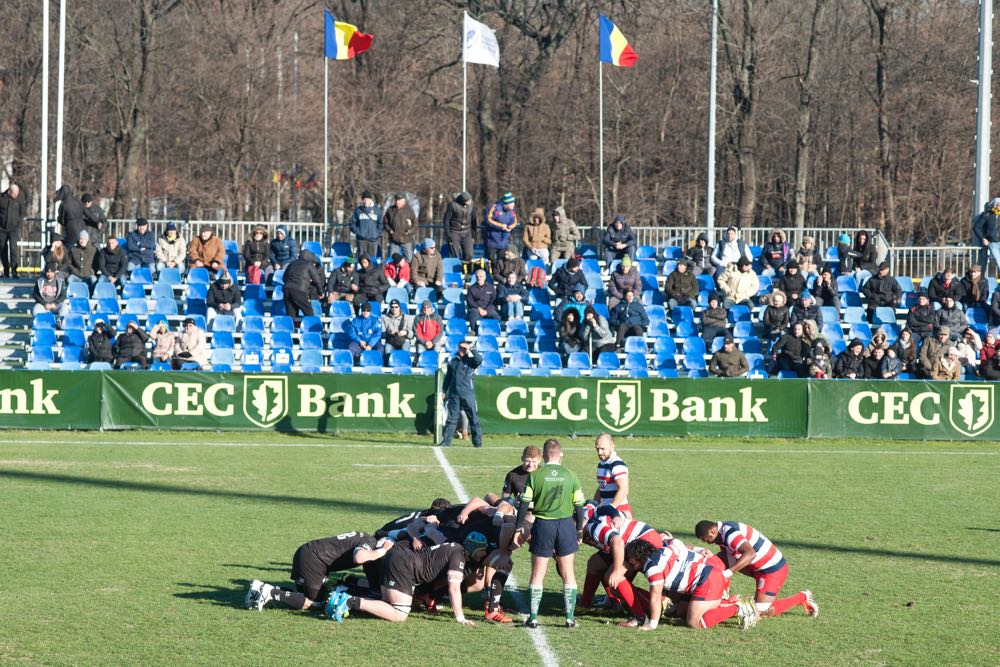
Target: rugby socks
(589,588)
(353,603)
(569,599)
(536,601)
(292,599)
(719,614)
(781,606)
(496,591)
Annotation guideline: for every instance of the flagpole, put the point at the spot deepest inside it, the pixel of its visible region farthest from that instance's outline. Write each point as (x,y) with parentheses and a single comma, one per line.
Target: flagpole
(60,88)
(465,116)
(600,150)
(326,137)
(713,66)
(43,190)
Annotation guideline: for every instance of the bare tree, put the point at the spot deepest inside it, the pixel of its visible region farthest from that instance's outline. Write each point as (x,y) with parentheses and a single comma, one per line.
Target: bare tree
(806,80)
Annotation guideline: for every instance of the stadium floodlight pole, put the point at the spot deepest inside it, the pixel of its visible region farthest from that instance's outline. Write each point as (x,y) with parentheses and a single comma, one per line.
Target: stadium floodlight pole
(981,191)
(326,136)
(465,114)
(43,186)
(712,80)
(600,139)
(60,88)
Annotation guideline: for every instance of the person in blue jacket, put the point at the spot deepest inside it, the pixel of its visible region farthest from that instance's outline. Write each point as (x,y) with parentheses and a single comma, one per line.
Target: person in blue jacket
(367,226)
(283,249)
(500,221)
(629,318)
(141,247)
(460,394)
(365,331)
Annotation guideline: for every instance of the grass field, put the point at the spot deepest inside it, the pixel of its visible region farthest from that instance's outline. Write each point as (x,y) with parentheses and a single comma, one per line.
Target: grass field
(137,548)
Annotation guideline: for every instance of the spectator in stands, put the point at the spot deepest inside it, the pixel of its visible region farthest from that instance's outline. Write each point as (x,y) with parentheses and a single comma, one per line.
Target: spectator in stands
(397,271)
(921,318)
(93,217)
(164,343)
(565,235)
(792,352)
(141,247)
(739,284)
(131,346)
(303,278)
(624,277)
(774,316)
(570,333)
(224,298)
(171,249)
(341,285)
(576,301)
(537,236)
(365,332)
(845,255)
(995,308)
(50,293)
(680,287)
(878,341)
(371,280)
(975,289)
(989,360)
(825,290)
(865,258)
(820,366)
(112,261)
(891,366)
(397,328)
(792,281)
(366,225)
(873,364)
(813,333)
(905,349)
(700,256)
(850,364)
(71,215)
(969,347)
(805,309)
(480,301)
(948,366)
(944,284)
(191,346)
(283,249)
(775,254)
(628,318)
(501,220)
(617,241)
(933,349)
(13,209)
(808,257)
(714,319)
(950,315)
(428,330)
(597,334)
(82,259)
(511,297)
(986,234)
(428,269)
(728,362)
(459,224)
(206,251)
(57,254)
(507,263)
(730,250)
(100,343)
(881,290)
(400,224)
(567,279)
(257,256)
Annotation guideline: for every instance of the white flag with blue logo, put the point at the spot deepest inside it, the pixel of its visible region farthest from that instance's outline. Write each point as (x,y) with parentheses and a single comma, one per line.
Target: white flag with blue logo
(479,43)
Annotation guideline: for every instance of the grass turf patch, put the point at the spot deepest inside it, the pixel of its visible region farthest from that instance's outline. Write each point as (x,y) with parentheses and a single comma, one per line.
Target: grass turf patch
(138,547)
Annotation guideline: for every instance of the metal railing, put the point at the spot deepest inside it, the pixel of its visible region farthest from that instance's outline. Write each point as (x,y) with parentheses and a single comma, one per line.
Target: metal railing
(920,261)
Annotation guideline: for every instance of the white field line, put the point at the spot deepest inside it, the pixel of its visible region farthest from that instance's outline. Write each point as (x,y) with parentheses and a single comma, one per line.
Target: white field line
(665,450)
(538,637)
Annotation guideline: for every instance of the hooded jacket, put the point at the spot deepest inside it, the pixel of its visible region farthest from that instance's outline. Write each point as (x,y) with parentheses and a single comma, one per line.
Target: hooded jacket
(100,344)
(49,291)
(217,294)
(737,285)
(953,318)
(428,328)
(82,260)
(459,218)
(564,282)
(71,215)
(131,343)
(776,252)
(565,233)
(283,251)
(206,252)
(700,258)
(363,329)
(809,258)
(612,236)
(631,314)
(257,251)
(793,283)
(866,256)
(372,282)
(341,279)
(622,280)
(304,274)
(848,362)
(537,233)
(171,251)
(366,223)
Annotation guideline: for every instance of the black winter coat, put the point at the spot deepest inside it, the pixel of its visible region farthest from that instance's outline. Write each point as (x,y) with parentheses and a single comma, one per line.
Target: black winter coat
(304,274)
(100,345)
(131,344)
(71,215)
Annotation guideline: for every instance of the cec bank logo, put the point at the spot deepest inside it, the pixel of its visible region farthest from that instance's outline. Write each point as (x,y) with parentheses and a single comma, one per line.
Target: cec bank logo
(971,408)
(265,399)
(618,403)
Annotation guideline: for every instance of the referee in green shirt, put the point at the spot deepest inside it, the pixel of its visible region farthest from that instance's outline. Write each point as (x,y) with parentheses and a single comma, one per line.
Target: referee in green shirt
(558,498)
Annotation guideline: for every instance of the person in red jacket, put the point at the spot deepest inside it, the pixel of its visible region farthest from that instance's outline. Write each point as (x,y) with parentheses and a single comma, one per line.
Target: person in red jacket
(397,271)
(428,328)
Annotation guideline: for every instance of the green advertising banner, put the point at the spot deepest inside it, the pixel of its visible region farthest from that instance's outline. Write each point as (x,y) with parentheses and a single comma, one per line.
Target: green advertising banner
(50,399)
(910,409)
(678,407)
(294,402)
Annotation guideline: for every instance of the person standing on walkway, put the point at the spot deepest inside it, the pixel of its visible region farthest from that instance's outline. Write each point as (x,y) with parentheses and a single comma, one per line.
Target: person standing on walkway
(460,394)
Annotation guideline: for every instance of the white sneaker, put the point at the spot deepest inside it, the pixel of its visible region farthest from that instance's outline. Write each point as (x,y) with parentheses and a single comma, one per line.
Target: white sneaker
(748,614)
(258,595)
(811,605)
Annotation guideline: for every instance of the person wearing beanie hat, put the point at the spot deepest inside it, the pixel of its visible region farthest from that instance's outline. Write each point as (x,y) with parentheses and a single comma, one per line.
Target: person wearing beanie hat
(625,277)
(809,259)
(793,281)
(566,278)
(975,288)
(82,259)
(500,221)
(933,349)
(948,366)
(739,284)
(428,329)
(850,363)
(367,226)
(130,346)
(729,250)
(171,249)
(397,329)
(882,291)
(100,346)
(49,292)
(365,331)
(729,362)
(397,271)
(775,254)
(140,244)
(94,218)
(206,251)
(427,269)
(283,249)
(400,224)
(191,345)
(565,235)
(537,237)
(459,222)
(681,286)
(224,298)
(617,241)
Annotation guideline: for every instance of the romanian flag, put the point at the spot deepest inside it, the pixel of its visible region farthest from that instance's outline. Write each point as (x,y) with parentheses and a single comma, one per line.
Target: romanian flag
(615,48)
(343,40)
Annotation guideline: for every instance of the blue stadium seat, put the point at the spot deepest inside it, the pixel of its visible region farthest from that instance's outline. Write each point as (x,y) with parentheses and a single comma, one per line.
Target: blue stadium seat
(600,373)
(422,294)
(608,361)
(454,295)
(137,307)
(686,329)
(658,329)
(706,282)
(669,266)
(751,346)
(428,360)
(755,361)
(282,323)
(664,360)
(635,361)
(510,371)
(517,343)
(278,277)
(45,320)
(850,300)
(371,359)
(832,331)
(224,323)
(253,323)
(765,285)
(162,290)
(635,344)
(541,312)
(77,290)
(545,343)
(197,291)
(452,341)
(400,359)
(42,353)
(281,339)
(133,291)
(311,340)
(399,293)
(451,264)
(538,295)
(743,329)
(830,314)
(254,293)
(665,344)
(195,307)
(78,306)
(847,284)
(341,249)
(315,247)
(453,310)
(457,326)
(103,306)
(906,283)
(517,327)
(694,345)
(668,373)
(99,366)
(487,343)
(198,276)
(647,267)
(253,340)
(521,360)
(223,355)
(170,275)
(861,330)
(142,276)
(492,360)
(105,290)
(739,313)
(74,337)
(341,358)
(311,361)
(45,337)
(550,360)
(884,315)
(579,361)
(341,309)
(854,315)
(717,344)
(657,313)
(223,339)
(682,314)
(673,252)
(645,252)
(694,362)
